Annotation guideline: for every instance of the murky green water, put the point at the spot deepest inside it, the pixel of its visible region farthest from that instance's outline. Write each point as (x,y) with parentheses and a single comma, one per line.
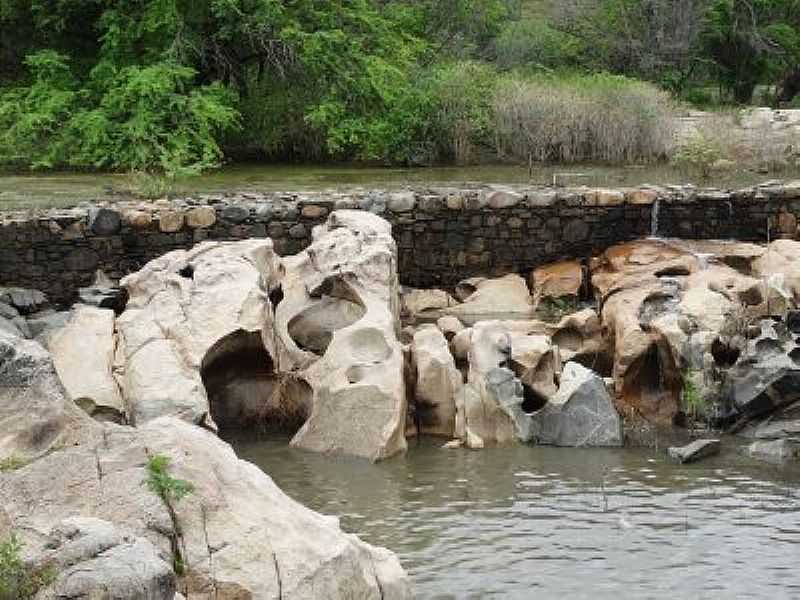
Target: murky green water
(66,189)
(535,522)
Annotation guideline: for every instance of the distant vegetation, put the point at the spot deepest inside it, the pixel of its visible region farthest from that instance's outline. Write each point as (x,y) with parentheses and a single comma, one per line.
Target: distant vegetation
(174,87)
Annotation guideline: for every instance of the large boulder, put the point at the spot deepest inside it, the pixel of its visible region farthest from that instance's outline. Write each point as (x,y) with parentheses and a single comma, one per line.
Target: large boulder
(93,558)
(183,307)
(236,535)
(335,329)
(673,307)
(557,281)
(581,413)
(83,354)
(503,297)
(437,382)
(35,415)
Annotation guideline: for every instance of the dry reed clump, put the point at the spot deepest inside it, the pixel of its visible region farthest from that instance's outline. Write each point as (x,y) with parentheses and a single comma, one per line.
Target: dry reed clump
(580,118)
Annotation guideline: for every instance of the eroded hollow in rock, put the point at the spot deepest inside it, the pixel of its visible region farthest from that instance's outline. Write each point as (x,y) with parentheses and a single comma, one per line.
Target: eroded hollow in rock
(652,385)
(244,391)
(532,401)
(334,305)
(725,355)
(601,363)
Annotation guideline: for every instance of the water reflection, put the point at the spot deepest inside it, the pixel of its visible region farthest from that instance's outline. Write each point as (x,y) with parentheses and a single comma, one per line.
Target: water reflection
(524,522)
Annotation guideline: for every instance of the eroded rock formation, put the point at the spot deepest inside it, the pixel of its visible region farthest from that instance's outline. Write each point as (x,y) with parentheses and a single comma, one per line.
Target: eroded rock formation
(336,328)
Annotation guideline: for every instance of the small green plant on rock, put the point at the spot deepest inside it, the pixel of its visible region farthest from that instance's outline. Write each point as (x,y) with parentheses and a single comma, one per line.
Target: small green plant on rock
(171,490)
(555,309)
(18,581)
(694,403)
(12,463)
(164,485)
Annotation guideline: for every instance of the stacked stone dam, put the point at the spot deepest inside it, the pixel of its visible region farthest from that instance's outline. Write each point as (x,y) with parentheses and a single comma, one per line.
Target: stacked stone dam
(443,235)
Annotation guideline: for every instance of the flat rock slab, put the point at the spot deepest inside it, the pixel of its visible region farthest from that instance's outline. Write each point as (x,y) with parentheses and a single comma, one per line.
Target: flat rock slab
(775,451)
(697,450)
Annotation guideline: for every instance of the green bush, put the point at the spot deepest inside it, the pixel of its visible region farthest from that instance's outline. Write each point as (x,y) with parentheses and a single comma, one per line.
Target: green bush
(150,119)
(535,44)
(17,580)
(571,118)
(698,153)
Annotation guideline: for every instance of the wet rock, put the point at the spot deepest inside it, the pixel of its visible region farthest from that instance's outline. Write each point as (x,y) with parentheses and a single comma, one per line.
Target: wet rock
(16,326)
(438,382)
(697,450)
(83,354)
(335,328)
(581,413)
(775,451)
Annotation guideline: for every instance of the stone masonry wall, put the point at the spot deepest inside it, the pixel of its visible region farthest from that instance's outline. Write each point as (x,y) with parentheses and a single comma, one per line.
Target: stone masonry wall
(443,235)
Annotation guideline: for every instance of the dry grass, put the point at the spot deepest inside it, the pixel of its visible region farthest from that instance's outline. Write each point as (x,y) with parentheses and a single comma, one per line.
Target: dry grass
(583,118)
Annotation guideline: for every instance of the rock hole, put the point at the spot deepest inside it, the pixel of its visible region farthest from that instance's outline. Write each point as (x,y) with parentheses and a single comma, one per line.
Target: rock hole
(674,271)
(652,385)
(244,391)
(187,272)
(599,362)
(568,338)
(725,355)
(532,401)
(276,296)
(795,356)
(313,328)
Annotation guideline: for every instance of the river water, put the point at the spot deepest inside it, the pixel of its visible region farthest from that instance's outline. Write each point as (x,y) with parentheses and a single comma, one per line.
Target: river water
(67,189)
(536,522)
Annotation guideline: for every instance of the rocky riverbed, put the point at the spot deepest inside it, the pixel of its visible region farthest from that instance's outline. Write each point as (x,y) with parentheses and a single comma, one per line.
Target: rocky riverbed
(649,339)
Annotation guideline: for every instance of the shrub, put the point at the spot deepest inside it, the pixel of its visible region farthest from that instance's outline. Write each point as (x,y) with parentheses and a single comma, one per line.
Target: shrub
(164,485)
(533,43)
(698,153)
(693,402)
(578,118)
(143,118)
(17,580)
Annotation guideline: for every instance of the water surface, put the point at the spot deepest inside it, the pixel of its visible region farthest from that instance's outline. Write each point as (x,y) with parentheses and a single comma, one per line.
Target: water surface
(535,522)
(67,189)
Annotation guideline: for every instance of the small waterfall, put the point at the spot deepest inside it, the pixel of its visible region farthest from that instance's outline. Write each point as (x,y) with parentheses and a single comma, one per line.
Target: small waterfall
(654,217)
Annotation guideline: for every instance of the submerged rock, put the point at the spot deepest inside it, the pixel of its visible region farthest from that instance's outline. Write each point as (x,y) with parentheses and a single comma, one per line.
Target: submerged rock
(697,450)
(775,451)
(581,413)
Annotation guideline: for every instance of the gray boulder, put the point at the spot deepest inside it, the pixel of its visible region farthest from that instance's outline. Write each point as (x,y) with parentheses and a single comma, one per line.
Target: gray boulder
(697,450)
(581,413)
(96,559)
(26,301)
(775,451)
